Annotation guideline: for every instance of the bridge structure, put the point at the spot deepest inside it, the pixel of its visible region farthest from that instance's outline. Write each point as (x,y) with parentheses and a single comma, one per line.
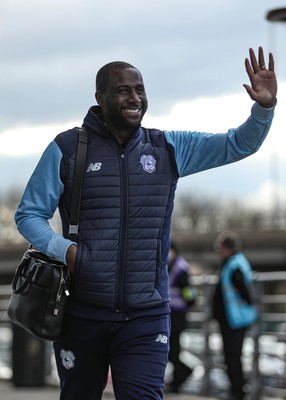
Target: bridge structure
(266,251)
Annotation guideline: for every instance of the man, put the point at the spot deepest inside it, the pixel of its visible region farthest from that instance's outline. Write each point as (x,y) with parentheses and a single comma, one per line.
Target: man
(233,306)
(118,313)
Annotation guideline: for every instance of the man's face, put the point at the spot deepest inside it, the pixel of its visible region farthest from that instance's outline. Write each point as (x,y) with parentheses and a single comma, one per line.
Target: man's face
(124,102)
(224,251)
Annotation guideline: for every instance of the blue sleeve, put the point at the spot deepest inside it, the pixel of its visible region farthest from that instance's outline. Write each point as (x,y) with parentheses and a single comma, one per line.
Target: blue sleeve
(198,151)
(38,204)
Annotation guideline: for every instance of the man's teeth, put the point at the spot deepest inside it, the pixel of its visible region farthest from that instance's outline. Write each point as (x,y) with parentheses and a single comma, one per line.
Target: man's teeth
(132,110)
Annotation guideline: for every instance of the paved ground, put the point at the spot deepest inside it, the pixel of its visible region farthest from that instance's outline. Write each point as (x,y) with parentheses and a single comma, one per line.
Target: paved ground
(9,392)
(50,391)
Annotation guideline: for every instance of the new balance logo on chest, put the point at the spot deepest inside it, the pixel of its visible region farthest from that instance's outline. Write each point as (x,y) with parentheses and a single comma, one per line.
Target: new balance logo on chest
(94,167)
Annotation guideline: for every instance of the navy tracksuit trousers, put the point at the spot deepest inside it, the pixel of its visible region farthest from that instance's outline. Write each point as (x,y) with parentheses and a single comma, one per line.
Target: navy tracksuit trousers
(135,350)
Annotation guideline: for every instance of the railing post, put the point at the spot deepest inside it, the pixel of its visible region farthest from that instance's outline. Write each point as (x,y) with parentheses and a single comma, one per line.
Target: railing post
(255,379)
(206,356)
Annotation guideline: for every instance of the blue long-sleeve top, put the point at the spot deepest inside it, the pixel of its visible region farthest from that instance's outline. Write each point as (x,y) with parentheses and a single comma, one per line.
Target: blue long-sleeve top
(194,152)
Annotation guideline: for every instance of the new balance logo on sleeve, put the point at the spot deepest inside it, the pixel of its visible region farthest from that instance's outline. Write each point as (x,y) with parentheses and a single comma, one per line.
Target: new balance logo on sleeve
(162,338)
(94,167)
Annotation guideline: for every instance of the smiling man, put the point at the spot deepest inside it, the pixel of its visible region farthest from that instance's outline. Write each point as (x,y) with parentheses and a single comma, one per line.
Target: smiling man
(118,313)
(123,100)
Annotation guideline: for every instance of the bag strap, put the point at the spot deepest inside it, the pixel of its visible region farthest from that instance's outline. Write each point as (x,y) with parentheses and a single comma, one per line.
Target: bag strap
(23,284)
(77,181)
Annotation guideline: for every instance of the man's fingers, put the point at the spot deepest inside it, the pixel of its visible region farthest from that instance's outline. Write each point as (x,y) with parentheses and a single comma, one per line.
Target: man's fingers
(253,66)
(253,60)
(249,91)
(248,68)
(261,58)
(271,62)
(259,64)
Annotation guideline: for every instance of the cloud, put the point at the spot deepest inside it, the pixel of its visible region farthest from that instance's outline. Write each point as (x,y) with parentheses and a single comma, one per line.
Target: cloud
(191,55)
(270,195)
(246,180)
(50,51)
(213,114)
(218,114)
(30,140)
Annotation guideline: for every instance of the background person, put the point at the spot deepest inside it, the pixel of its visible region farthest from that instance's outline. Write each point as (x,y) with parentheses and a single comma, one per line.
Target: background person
(232,306)
(182,296)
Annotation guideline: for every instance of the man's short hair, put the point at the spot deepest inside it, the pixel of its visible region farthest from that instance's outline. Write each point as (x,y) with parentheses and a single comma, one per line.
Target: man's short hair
(102,76)
(230,240)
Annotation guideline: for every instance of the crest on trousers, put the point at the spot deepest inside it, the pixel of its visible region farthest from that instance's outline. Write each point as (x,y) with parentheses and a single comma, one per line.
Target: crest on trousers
(68,358)
(148,162)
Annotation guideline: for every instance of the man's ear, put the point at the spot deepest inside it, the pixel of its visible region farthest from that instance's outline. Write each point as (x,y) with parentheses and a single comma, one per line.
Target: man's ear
(99,98)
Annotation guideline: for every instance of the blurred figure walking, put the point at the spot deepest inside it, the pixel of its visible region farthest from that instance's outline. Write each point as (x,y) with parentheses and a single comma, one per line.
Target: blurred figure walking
(182,296)
(232,306)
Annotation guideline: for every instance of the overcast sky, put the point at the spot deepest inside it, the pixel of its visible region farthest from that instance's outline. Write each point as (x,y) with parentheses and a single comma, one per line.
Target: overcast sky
(190,52)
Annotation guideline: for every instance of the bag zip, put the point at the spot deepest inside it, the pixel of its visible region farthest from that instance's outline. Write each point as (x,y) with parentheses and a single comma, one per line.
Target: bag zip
(62,287)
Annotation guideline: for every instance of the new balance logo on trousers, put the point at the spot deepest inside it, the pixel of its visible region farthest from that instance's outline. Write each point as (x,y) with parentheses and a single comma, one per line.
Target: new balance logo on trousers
(162,338)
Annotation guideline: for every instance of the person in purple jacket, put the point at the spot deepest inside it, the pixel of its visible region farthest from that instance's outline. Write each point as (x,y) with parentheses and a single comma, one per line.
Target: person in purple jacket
(182,296)
(118,315)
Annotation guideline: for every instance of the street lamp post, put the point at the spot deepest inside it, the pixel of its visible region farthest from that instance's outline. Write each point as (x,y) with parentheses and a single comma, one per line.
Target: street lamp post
(276,15)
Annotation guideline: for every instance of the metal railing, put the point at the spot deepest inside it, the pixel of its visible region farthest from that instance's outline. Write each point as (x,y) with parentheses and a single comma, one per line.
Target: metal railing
(265,339)
(5,291)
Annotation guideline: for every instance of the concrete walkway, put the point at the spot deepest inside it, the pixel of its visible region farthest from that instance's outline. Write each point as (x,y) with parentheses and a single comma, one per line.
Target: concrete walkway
(50,392)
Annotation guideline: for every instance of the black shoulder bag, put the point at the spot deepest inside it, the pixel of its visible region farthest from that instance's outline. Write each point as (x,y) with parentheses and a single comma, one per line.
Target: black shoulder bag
(40,287)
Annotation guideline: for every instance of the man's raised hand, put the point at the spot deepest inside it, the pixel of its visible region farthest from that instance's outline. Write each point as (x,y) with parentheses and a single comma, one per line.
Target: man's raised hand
(263,87)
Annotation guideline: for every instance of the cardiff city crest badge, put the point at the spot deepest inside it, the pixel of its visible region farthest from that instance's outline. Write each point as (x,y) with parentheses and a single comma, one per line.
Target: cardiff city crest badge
(68,358)
(148,162)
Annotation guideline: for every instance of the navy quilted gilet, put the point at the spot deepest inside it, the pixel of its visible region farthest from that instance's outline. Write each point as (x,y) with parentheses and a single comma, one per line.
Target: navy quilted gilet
(125,216)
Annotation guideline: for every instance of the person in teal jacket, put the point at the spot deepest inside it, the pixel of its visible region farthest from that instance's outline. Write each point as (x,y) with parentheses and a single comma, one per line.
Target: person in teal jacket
(233,306)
